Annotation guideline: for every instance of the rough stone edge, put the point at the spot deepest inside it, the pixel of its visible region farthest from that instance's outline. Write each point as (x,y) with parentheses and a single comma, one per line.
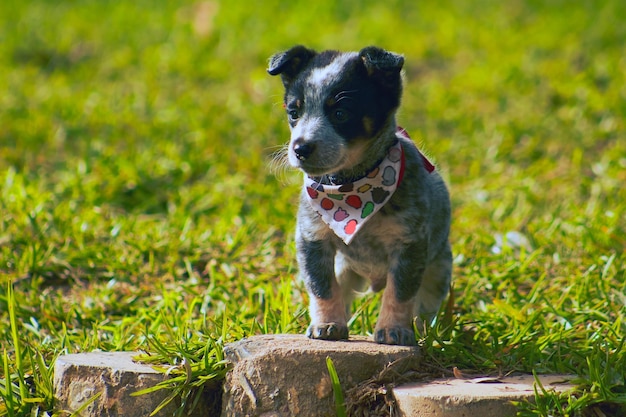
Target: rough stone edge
(126,376)
(461,397)
(247,393)
(114,376)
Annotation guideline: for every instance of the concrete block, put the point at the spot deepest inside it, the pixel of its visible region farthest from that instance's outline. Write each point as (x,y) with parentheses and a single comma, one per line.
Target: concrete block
(472,397)
(112,375)
(286,375)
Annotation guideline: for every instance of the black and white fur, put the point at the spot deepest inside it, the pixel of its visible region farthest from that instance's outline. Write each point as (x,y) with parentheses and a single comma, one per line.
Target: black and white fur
(341,109)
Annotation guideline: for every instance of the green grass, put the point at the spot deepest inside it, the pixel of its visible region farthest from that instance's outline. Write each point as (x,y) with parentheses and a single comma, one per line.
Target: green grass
(138,212)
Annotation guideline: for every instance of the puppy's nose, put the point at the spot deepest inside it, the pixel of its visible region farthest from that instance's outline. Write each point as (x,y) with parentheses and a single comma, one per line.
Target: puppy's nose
(302,149)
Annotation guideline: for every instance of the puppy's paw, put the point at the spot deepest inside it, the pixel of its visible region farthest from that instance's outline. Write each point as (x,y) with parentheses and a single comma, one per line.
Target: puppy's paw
(328,331)
(395,336)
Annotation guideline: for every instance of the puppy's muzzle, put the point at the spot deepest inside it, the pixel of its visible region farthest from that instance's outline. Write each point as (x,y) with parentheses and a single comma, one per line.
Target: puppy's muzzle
(302,149)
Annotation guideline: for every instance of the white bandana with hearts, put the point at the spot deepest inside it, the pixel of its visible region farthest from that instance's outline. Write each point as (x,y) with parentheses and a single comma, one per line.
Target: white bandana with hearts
(346,208)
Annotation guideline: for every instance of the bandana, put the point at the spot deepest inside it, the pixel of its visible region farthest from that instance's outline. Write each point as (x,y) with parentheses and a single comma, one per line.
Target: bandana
(347,207)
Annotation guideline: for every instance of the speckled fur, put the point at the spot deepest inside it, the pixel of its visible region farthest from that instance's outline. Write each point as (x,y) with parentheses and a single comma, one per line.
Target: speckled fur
(404,248)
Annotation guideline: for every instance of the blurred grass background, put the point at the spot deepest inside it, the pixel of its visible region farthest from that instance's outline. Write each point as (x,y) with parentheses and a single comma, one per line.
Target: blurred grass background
(137,203)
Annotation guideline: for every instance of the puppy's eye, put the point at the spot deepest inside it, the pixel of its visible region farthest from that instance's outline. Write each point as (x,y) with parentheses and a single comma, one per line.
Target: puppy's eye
(341,115)
(293,114)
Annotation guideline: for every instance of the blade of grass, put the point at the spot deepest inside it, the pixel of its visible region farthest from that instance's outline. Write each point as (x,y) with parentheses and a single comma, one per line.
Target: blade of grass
(7,394)
(86,404)
(16,342)
(340,406)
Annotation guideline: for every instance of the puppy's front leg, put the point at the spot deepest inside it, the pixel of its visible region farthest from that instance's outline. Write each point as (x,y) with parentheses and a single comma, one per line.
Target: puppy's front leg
(326,306)
(395,322)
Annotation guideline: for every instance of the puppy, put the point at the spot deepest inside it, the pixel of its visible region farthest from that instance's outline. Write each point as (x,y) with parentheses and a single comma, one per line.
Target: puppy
(373,210)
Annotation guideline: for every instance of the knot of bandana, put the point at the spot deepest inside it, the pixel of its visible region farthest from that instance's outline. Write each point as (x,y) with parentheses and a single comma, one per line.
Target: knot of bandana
(347,207)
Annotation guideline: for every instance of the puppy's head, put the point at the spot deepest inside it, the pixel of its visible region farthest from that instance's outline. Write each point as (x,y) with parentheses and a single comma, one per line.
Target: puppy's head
(337,104)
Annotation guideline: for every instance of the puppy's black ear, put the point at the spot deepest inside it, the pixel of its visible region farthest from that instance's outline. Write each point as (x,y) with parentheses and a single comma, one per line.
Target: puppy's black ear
(382,65)
(289,63)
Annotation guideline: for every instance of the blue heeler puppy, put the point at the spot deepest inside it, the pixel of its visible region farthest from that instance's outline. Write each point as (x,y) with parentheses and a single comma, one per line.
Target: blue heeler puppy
(373,210)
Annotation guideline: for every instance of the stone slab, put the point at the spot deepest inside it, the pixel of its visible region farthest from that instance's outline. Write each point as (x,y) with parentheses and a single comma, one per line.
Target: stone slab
(112,375)
(472,397)
(286,375)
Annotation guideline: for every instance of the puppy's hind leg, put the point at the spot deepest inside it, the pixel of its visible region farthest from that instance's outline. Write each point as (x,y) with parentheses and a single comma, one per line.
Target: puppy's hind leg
(434,288)
(350,282)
